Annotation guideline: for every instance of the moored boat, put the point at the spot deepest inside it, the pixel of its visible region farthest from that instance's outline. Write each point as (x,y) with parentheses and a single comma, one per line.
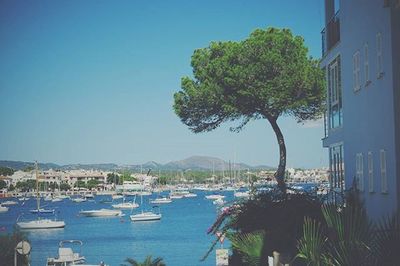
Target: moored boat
(101,213)
(41,224)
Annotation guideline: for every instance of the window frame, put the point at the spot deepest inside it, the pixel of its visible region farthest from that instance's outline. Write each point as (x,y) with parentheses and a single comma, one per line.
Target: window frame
(356,71)
(371,172)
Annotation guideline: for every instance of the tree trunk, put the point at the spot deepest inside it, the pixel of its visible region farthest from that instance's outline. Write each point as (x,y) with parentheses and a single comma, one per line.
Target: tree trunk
(280,173)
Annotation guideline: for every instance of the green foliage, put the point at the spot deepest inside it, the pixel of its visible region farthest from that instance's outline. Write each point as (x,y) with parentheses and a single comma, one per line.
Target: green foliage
(249,245)
(25,186)
(265,76)
(92,183)
(113,178)
(80,183)
(65,187)
(149,261)
(8,243)
(53,186)
(126,176)
(11,187)
(3,184)
(162,180)
(29,168)
(6,171)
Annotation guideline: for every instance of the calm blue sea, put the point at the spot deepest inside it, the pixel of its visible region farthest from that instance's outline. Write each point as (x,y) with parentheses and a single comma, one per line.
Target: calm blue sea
(180,238)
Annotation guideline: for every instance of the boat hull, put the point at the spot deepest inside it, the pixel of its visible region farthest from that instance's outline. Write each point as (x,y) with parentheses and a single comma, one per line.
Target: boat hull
(41,224)
(101,213)
(143,217)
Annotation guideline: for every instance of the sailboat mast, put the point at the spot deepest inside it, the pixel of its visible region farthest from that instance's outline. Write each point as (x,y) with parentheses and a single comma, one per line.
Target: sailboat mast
(37,186)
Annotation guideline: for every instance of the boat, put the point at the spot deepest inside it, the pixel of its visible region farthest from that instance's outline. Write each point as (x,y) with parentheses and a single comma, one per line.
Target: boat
(56,199)
(78,199)
(67,257)
(41,210)
(101,213)
(190,195)
(9,203)
(145,216)
(40,223)
(116,196)
(3,208)
(215,196)
(125,205)
(241,194)
(48,198)
(163,200)
(219,201)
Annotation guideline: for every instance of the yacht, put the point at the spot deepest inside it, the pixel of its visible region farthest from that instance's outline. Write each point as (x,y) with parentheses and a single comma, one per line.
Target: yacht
(215,196)
(41,224)
(3,208)
(67,257)
(101,213)
(125,205)
(163,200)
(145,216)
(241,194)
(9,203)
(41,210)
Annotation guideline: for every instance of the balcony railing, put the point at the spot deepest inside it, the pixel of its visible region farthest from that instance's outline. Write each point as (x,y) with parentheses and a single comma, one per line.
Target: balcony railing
(331,34)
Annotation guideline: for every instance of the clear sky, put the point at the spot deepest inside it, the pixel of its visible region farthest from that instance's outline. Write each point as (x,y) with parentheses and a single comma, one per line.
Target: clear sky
(93,81)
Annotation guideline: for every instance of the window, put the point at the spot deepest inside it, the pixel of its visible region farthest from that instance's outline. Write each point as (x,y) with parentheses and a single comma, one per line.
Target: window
(356,71)
(336,167)
(360,171)
(384,186)
(366,65)
(379,56)
(334,94)
(370,172)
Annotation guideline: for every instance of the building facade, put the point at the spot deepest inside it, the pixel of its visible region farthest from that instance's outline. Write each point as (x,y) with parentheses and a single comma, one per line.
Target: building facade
(361,59)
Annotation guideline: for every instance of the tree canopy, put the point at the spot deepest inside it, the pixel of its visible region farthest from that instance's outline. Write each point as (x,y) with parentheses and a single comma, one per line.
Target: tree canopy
(265,76)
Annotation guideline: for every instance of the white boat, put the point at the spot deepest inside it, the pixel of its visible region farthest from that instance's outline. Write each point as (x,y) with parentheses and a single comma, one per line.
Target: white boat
(3,208)
(125,205)
(219,202)
(163,200)
(67,257)
(117,196)
(241,194)
(9,203)
(56,199)
(190,195)
(78,200)
(23,199)
(215,196)
(101,213)
(175,196)
(41,224)
(89,196)
(41,210)
(145,216)
(48,198)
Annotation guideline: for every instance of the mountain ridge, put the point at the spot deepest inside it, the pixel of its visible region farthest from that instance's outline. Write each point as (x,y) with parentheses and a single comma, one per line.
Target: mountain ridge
(195,162)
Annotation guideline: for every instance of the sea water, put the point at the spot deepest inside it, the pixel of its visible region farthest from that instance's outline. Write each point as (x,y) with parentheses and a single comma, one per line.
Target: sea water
(180,237)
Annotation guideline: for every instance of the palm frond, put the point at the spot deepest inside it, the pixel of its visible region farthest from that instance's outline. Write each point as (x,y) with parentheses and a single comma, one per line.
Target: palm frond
(250,245)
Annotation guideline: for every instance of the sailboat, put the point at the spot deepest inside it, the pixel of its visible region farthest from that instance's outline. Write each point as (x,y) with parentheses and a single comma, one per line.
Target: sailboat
(38,209)
(125,204)
(40,223)
(146,216)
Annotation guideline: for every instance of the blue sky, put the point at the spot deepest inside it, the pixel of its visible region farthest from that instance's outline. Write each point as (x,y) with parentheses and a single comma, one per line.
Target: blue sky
(93,81)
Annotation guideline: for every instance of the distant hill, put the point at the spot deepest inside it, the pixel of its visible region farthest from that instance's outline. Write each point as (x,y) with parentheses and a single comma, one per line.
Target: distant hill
(202,163)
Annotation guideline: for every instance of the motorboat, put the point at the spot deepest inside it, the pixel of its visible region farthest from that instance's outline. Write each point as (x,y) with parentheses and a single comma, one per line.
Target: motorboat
(163,200)
(3,209)
(116,196)
(48,198)
(215,196)
(145,216)
(9,203)
(41,210)
(241,194)
(67,257)
(78,199)
(101,213)
(219,201)
(190,195)
(41,224)
(175,195)
(56,199)
(125,205)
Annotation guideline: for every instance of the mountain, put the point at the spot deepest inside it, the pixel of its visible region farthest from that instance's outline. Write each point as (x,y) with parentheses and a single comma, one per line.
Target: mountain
(201,163)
